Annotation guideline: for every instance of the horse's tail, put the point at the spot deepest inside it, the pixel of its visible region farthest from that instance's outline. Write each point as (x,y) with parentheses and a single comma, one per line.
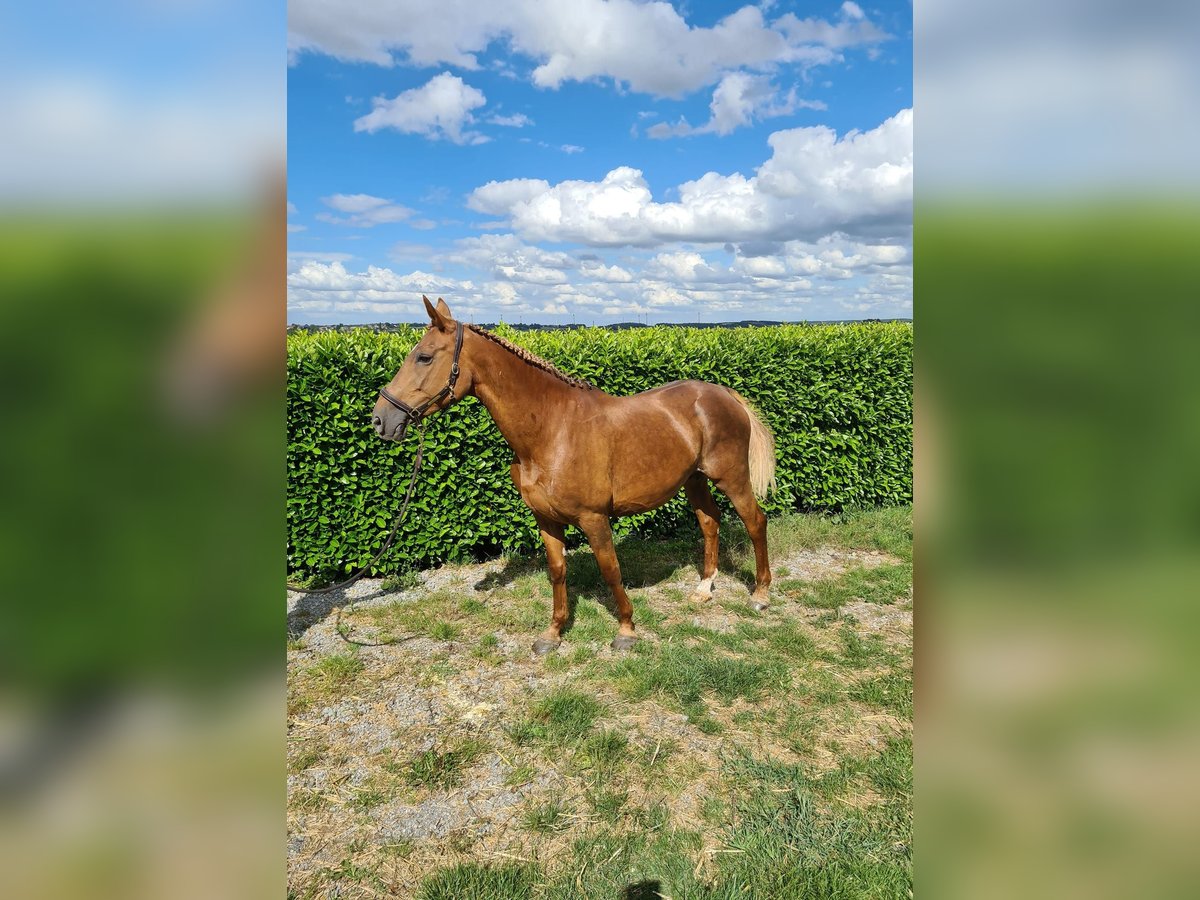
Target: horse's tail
(762,450)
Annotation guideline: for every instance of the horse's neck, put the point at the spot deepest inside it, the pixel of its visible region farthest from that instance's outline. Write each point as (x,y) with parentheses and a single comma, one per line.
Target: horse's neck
(522,399)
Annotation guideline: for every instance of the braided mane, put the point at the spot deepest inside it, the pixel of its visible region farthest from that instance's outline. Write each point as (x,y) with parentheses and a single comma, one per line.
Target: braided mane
(536,361)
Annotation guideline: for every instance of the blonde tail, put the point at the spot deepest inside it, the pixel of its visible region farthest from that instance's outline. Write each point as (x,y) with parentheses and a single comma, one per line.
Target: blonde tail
(762,451)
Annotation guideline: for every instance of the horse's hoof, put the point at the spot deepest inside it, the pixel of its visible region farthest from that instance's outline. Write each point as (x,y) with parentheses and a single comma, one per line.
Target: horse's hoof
(700,597)
(624,642)
(542,646)
(758,604)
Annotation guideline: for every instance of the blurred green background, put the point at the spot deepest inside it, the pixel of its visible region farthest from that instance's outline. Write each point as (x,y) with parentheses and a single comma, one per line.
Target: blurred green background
(1058,512)
(137,542)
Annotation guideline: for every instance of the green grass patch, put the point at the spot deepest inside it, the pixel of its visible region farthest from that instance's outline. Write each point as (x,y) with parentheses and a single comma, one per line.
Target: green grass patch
(858,651)
(472,607)
(543,818)
(891,772)
(367,798)
(785,638)
(514,612)
(476,881)
(684,676)
(444,631)
(434,615)
(442,768)
(892,691)
(793,846)
(333,673)
(608,804)
(520,775)
(604,750)
(883,585)
(562,716)
(887,529)
(648,862)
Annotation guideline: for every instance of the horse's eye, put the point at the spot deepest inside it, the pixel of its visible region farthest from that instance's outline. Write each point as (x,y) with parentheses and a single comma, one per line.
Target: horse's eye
(424,359)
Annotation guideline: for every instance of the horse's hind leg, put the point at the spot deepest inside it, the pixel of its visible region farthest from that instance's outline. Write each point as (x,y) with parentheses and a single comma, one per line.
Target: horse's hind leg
(709,518)
(738,490)
(599,535)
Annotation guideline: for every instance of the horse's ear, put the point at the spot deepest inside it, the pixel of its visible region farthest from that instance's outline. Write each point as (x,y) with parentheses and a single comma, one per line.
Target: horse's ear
(443,308)
(439,319)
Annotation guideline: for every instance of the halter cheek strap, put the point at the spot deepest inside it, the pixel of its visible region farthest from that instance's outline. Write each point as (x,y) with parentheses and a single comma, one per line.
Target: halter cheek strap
(417,412)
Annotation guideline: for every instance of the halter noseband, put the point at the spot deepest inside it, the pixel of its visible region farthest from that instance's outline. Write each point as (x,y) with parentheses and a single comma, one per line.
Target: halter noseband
(415,413)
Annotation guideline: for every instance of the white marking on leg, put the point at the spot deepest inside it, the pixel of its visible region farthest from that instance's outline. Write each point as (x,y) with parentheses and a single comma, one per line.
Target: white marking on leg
(706,586)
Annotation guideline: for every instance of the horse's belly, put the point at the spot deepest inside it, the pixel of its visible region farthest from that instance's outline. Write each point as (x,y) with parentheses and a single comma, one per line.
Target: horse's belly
(648,481)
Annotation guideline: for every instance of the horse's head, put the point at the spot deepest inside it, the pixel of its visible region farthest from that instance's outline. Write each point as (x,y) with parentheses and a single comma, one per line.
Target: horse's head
(428,381)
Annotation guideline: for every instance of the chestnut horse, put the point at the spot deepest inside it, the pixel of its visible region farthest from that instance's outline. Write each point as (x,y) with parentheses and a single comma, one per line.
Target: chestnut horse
(584,456)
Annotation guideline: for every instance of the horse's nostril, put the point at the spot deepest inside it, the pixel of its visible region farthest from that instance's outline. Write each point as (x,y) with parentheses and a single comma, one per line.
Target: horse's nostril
(377,422)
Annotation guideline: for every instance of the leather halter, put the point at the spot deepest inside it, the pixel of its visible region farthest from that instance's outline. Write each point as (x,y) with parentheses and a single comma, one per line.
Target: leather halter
(415,413)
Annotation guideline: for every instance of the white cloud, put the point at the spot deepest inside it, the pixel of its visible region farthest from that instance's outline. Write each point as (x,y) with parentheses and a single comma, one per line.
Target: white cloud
(813,184)
(835,277)
(363,210)
(506,257)
(439,109)
(738,100)
(852,29)
(596,270)
(516,120)
(292,227)
(571,148)
(498,197)
(573,40)
(330,281)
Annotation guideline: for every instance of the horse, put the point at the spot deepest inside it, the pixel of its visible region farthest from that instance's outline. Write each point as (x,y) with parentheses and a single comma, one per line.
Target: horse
(583,456)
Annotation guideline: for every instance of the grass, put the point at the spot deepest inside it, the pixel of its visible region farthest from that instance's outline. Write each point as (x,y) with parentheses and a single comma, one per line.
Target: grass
(441,769)
(562,716)
(444,631)
(402,581)
(883,585)
(520,775)
(892,692)
(326,678)
(780,780)
(309,754)
(365,799)
(686,676)
(544,818)
(604,750)
(476,881)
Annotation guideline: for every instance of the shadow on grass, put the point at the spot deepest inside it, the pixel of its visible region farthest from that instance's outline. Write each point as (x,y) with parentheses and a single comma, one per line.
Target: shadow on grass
(645,563)
(313,608)
(649,889)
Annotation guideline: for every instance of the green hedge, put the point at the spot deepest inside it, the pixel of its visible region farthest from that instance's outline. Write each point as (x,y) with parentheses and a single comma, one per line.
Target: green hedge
(838,397)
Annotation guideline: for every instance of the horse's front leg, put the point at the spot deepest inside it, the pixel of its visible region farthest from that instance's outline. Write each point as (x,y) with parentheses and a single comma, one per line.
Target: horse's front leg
(599,535)
(556,562)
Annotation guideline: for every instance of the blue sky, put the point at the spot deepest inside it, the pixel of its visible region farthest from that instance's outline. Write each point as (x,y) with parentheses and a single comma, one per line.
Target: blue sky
(597,161)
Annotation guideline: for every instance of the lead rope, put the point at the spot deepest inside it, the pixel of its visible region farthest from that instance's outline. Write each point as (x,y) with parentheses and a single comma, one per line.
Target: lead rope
(391,537)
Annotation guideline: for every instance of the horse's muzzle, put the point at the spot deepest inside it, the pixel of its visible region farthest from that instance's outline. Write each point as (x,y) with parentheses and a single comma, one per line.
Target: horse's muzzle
(392,426)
